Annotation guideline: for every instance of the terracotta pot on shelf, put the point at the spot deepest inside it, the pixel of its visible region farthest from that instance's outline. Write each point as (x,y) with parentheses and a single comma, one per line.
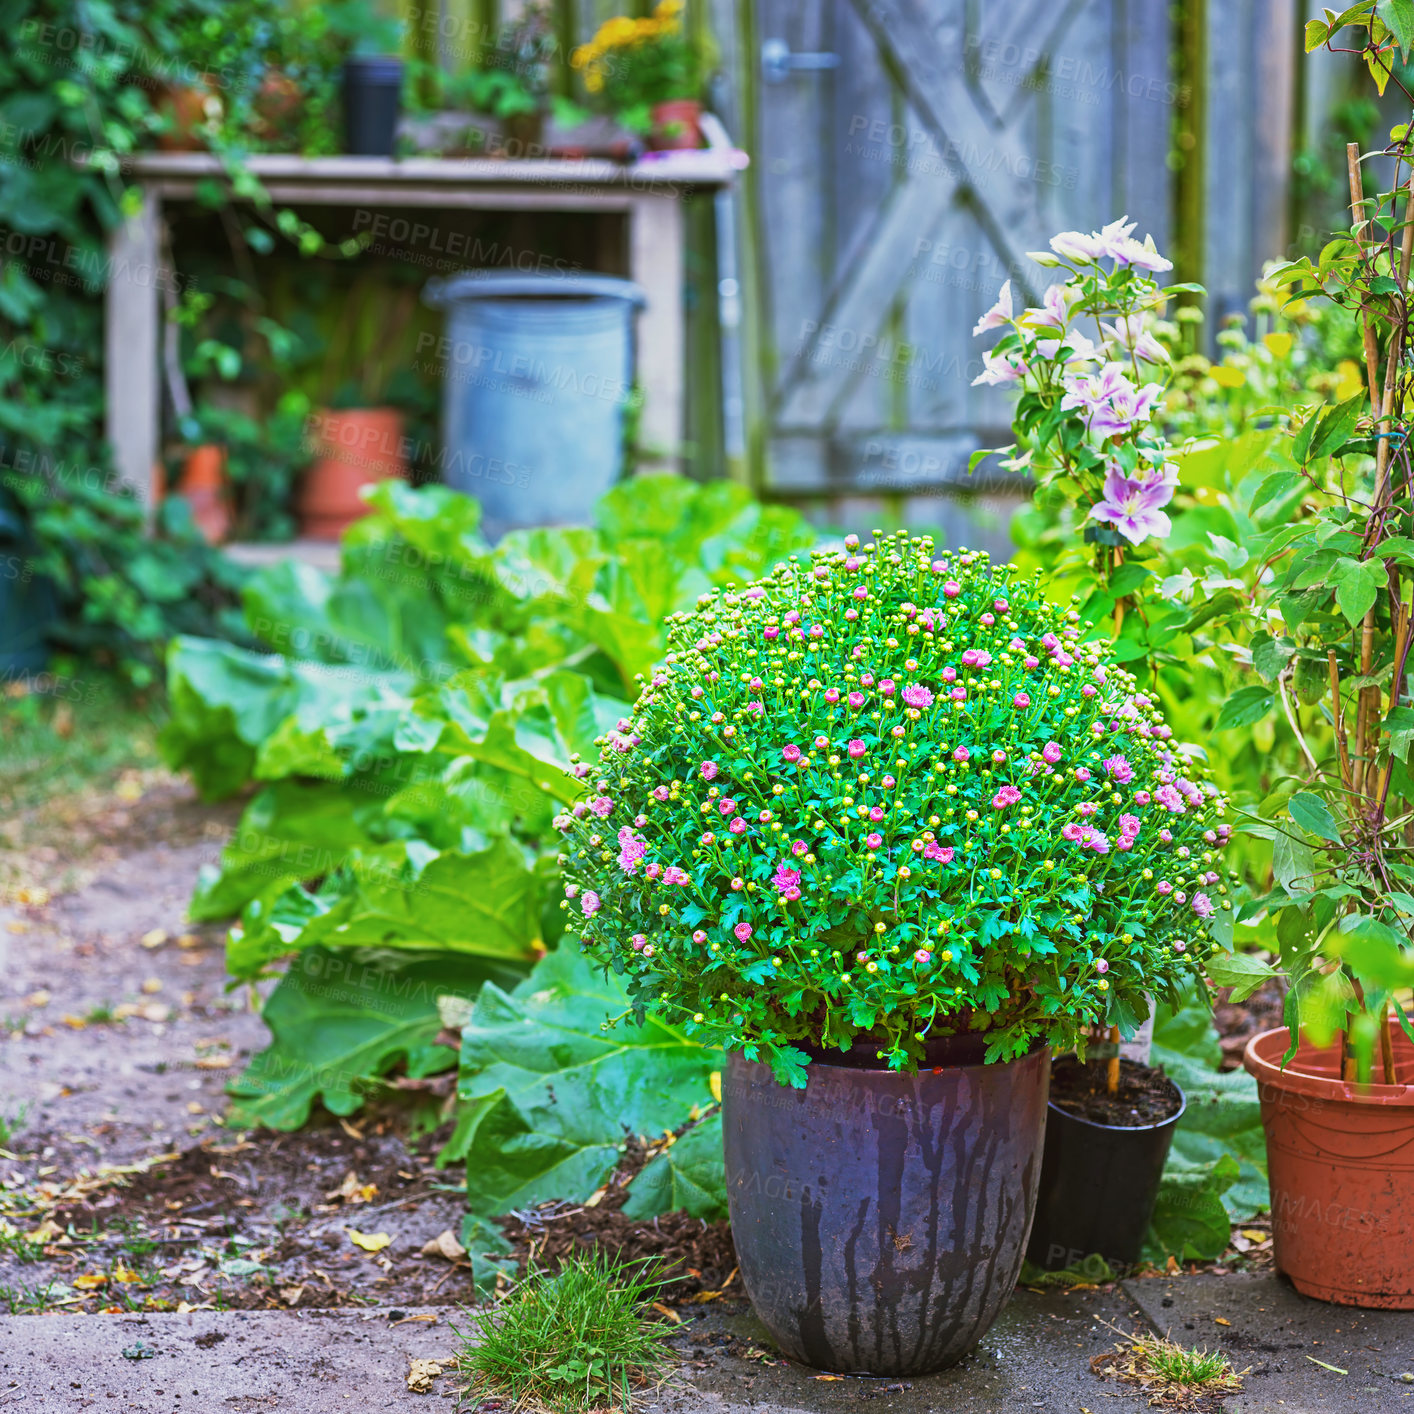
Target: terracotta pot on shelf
(205,487)
(1340,1157)
(188,106)
(677,125)
(275,106)
(356,447)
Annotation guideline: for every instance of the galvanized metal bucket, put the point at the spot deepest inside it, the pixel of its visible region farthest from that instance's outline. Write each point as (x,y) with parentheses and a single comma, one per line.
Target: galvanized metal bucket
(880,1218)
(537,371)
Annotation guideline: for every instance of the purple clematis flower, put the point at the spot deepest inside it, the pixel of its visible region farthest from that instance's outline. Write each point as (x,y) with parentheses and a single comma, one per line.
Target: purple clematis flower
(1134,508)
(1112,404)
(999,314)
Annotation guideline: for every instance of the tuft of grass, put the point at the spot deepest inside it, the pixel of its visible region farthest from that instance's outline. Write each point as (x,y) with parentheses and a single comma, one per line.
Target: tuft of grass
(11,1122)
(582,1339)
(1180,1366)
(1171,1373)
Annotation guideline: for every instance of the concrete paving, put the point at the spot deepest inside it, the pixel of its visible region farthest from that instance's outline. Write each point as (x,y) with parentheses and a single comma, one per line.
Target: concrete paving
(1035,1360)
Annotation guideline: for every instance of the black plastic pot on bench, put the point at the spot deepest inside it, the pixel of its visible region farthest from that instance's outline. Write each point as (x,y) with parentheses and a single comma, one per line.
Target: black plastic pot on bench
(373,87)
(1098,1186)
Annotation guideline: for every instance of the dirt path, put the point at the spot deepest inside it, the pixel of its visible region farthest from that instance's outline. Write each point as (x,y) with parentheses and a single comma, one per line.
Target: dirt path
(179,1264)
(119,1036)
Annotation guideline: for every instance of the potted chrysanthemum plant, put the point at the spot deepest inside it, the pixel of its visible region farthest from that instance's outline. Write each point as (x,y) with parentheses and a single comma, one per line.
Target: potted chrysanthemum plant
(889,826)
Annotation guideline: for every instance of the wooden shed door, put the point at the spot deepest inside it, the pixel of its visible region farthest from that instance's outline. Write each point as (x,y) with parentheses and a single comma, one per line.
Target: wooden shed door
(898,184)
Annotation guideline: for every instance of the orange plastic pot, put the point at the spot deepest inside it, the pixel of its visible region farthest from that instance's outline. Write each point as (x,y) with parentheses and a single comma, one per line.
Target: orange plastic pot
(356,447)
(677,125)
(1340,1158)
(204,486)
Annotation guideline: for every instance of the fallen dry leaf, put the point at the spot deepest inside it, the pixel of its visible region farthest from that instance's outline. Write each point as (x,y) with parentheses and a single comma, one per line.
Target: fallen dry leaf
(290,1295)
(47,1231)
(152,986)
(154,938)
(17,925)
(370,1241)
(1221,1321)
(37,999)
(189,940)
(422,1373)
(125,1274)
(213,1062)
(74,1023)
(352,1191)
(668,1312)
(714,1082)
(829,1377)
(445,1244)
(90,1281)
(154,1011)
(1254,1234)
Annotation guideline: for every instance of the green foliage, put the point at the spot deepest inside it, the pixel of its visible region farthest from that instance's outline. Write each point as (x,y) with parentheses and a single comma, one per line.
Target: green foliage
(583,1339)
(993,834)
(1217,1169)
(550,1091)
(630,65)
(413,739)
(339,1019)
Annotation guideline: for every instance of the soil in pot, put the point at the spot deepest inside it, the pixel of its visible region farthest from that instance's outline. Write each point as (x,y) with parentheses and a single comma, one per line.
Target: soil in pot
(1104,1157)
(1340,1157)
(881,1218)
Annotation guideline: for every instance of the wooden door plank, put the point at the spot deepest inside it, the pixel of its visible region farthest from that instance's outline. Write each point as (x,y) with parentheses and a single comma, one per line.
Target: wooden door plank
(926,46)
(828,361)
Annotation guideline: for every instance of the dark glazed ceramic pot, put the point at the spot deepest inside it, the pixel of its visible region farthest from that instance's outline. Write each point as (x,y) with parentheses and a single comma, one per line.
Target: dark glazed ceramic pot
(880,1218)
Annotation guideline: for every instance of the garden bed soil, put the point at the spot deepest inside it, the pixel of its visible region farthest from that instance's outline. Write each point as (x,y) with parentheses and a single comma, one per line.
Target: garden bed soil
(1146,1096)
(695,1258)
(1238,1022)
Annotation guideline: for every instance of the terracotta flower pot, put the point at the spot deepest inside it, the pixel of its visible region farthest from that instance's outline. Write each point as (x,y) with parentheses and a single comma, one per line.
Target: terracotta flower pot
(275,106)
(1341,1161)
(356,447)
(187,106)
(677,125)
(205,487)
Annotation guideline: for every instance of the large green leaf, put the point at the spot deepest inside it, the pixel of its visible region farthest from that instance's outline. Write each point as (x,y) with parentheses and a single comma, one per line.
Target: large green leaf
(339,1019)
(690,1176)
(1222,1116)
(551,1093)
(227,703)
(1190,1220)
(290,833)
(402,895)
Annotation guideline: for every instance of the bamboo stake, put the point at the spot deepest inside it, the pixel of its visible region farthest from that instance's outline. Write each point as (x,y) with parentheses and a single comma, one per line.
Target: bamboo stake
(1386,1047)
(1357,208)
(1112,1070)
(1338,718)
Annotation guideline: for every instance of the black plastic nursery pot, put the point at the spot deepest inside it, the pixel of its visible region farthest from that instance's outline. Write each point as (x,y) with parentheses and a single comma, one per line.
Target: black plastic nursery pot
(880,1218)
(1098,1187)
(373,88)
